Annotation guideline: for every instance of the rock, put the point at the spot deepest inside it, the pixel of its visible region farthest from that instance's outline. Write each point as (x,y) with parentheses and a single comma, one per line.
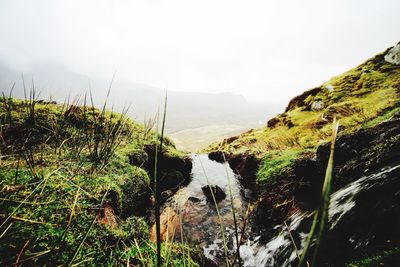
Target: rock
(329,87)
(216,156)
(317,105)
(272,122)
(107,216)
(356,154)
(393,56)
(194,199)
(169,225)
(219,194)
(230,139)
(298,101)
(174,170)
(245,165)
(288,122)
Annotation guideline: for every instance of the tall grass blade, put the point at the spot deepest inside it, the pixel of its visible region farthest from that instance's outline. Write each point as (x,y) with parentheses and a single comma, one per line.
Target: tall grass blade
(219,215)
(233,214)
(87,231)
(157,190)
(321,216)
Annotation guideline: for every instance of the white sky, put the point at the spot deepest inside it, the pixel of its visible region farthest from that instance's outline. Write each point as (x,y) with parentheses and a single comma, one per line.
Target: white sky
(261,49)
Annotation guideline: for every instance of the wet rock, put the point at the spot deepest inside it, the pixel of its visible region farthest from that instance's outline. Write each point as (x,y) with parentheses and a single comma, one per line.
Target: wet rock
(393,56)
(194,199)
(219,194)
(357,154)
(169,225)
(173,170)
(217,156)
(246,165)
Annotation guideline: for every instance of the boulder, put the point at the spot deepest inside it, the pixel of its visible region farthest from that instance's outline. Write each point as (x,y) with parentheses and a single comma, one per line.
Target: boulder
(317,105)
(393,55)
(219,194)
(272,122)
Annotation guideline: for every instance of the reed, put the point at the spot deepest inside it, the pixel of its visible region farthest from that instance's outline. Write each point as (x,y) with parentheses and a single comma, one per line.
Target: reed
(221,224)
(157,191)
(235,225)
(321,215)
(87,232)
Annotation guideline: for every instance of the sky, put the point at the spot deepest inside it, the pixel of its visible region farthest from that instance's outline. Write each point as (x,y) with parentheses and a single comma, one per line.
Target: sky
(263,50)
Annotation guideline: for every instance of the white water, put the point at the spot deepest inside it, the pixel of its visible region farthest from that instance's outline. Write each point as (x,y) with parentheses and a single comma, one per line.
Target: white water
(201,224)
(279,251)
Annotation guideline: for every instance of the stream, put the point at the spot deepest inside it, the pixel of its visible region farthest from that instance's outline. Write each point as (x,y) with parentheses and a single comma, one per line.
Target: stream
(360,216)
(200,221)
(367,199)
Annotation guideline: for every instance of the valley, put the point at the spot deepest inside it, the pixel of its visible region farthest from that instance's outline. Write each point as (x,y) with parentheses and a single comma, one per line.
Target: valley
(213,182)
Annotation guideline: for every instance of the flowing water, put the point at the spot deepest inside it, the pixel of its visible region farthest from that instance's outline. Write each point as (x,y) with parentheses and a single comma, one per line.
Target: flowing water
(201,224)
(200,221)
(352,202)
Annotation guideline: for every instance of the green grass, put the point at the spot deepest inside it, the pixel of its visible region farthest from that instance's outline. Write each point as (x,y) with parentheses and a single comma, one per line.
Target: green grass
(51,188)
(276,163)
(361,97)
(383,258)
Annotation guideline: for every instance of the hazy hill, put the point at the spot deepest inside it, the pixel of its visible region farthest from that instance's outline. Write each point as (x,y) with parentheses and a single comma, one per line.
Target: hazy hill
(186,110)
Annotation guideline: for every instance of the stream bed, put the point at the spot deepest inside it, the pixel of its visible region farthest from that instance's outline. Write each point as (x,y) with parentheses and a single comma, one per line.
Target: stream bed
(199,218)
(360,218)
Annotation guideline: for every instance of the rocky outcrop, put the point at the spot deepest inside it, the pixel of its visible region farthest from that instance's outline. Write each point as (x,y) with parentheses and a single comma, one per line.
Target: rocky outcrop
(393,55)
(173,171)
(298,101)
(245,165)
(210,190)
(361,153)
(272,122)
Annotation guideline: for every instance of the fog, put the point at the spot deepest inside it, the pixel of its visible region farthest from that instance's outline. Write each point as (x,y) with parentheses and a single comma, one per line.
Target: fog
(263,50)
(228,65)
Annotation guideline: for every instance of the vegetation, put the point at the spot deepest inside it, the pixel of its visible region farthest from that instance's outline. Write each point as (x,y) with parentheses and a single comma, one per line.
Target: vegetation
(384,258)
(360,98)
(74,186)
(321,215)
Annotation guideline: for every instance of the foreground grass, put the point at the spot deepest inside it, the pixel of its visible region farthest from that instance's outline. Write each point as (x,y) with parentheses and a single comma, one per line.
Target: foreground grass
(69,192)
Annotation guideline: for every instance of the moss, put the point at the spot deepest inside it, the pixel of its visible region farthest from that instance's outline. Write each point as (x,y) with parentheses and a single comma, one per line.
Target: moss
(359,98)
(275,164)
(384,116)
(63,188)
(136,191)
(383,258)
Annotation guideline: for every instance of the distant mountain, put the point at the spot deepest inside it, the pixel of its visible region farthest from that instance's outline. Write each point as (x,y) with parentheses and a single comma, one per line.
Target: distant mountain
(186,110)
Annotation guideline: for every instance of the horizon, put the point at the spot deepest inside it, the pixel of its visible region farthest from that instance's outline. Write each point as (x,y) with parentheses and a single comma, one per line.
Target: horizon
(172,45)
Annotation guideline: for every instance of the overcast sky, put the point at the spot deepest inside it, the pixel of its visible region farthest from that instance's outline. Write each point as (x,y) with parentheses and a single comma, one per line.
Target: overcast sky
(261,49)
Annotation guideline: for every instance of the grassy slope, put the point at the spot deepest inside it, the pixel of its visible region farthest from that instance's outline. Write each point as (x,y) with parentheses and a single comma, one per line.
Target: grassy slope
(52,184)
(361,97)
